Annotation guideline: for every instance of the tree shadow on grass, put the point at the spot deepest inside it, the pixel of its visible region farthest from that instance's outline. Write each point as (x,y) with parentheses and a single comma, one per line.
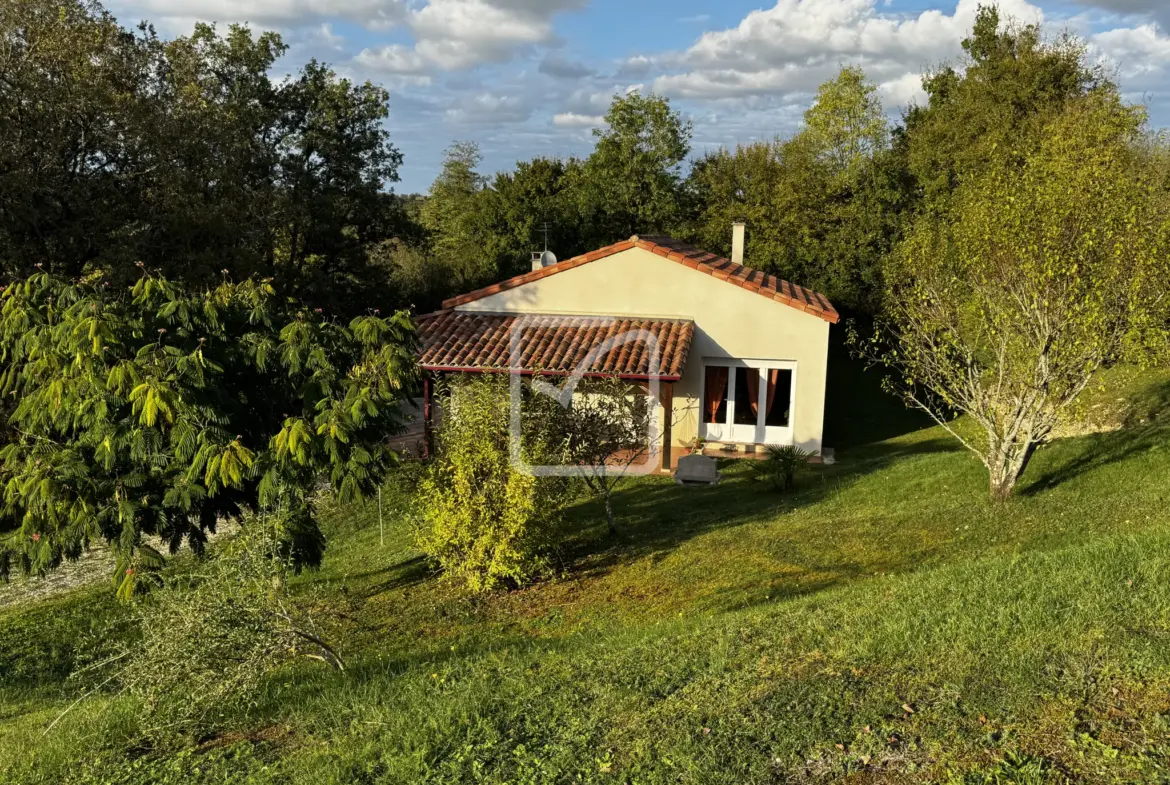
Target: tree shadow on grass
(656,516)
(1145,427)
(1095,452)
(860,420)
(403,575)
(400,575)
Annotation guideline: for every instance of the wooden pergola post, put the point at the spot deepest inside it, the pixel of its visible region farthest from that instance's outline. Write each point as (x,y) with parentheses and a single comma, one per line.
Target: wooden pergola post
(428,395)
(667,396)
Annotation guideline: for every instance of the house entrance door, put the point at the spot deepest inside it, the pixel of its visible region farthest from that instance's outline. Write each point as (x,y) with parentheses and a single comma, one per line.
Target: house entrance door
(748,402)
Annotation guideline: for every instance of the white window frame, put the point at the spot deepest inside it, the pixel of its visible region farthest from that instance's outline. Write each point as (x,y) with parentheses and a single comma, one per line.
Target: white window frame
(728,431)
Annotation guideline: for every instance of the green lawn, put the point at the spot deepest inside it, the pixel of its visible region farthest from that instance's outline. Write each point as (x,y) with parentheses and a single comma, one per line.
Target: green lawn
(885,624)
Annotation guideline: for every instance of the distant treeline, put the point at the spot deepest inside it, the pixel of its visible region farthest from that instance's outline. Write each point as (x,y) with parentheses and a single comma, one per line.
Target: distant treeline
(118,148)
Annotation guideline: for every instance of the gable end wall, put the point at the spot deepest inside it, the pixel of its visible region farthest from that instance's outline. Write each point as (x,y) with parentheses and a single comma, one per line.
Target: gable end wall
(730,322)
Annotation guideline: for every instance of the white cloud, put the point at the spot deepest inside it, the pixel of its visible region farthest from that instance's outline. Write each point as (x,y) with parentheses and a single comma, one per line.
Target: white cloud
(1136,50)
(1148,8)
(634,67)
(574,120)
(319,42)
(591,100)
(797,44)
(559,67)
(456,34)
(373,14)
(448,34)
(1140,56)
(392,59)
(697,19)
(489,108)
(324,36)
(902,91)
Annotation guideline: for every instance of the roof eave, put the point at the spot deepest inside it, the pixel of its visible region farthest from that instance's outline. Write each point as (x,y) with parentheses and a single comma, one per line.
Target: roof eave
(633,377)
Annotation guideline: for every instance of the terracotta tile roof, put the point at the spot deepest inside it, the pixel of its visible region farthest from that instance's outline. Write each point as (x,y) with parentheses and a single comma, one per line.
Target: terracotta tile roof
(697,259)
(559,345)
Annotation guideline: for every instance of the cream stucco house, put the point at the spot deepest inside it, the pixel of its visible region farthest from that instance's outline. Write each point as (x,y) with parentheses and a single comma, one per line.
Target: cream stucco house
(740,356)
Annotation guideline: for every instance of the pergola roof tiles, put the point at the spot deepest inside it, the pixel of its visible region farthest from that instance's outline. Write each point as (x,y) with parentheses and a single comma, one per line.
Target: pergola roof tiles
(630,348)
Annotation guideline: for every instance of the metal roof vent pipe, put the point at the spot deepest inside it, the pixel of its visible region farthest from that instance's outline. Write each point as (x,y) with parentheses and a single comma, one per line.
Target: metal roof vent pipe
(737,230)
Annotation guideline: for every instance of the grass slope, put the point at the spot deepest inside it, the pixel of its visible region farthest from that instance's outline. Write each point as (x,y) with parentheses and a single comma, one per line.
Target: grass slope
(883,625)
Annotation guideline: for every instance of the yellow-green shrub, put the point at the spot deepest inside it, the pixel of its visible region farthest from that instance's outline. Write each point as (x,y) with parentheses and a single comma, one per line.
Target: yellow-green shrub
(483,521)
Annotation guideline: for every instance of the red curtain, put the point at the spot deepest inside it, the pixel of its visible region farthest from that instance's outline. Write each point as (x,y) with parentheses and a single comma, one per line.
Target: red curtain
(753,389)
(773,380)
(716,387)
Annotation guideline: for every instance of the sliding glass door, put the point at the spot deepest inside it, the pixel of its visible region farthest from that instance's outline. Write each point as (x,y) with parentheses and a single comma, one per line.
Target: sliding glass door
(748,402)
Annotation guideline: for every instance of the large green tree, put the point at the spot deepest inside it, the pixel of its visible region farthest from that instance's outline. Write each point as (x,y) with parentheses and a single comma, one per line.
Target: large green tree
(1010,81)
(150,414)
(632,182)
(477,231)
(1038,271)
(536,194)
(846,125)
(452,217)
(118,147)
(456,247)
(822,208)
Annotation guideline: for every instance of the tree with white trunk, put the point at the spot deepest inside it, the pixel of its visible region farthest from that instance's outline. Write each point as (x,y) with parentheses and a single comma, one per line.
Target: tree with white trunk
(1003,304)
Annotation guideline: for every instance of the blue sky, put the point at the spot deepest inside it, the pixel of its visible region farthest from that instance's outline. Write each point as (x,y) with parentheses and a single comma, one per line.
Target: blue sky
(532,77)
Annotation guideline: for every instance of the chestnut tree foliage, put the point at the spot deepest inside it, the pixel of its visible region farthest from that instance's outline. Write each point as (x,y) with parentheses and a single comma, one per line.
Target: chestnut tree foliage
(151,414)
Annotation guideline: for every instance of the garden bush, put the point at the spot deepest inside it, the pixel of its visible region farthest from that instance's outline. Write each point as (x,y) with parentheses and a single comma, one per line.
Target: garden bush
(484,522)
(781,466)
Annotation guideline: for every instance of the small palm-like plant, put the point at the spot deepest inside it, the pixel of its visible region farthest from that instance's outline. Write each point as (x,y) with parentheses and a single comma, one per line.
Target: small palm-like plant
(781,466)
